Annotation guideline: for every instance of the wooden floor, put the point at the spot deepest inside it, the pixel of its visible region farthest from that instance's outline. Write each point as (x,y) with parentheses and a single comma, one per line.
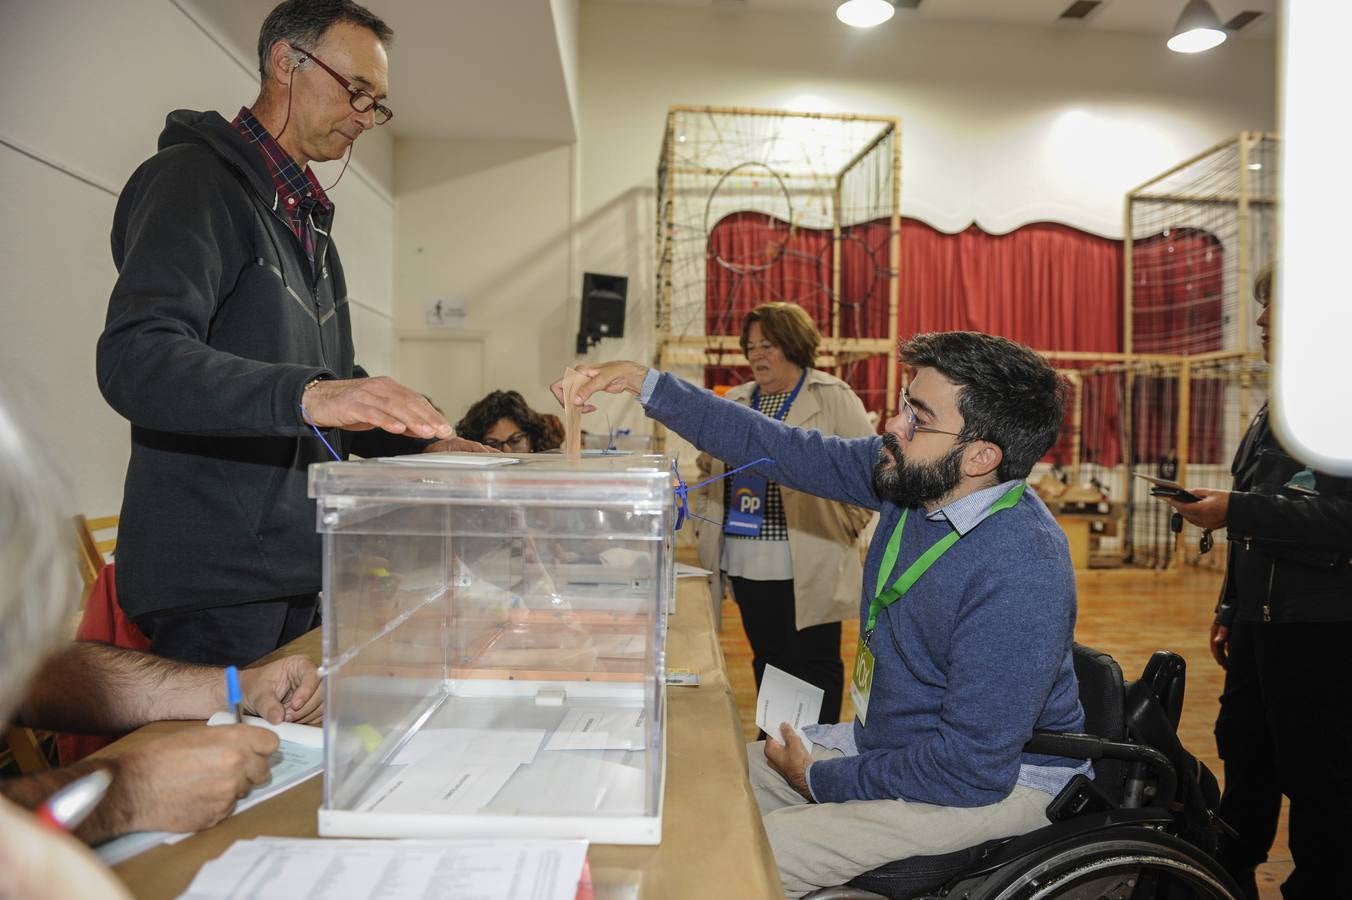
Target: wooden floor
(1126,613)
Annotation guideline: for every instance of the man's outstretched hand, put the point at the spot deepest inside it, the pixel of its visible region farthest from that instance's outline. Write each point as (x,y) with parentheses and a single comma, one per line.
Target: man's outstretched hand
(360,404)
(616,377)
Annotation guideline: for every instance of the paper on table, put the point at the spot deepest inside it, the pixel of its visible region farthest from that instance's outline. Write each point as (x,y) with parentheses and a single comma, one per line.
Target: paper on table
(514,745)
(452,458)
(784,698)
(446,785)
(311,736)
(593,728)
(299,757)
(376,869)
(572,416)
(685,570)
(569,784)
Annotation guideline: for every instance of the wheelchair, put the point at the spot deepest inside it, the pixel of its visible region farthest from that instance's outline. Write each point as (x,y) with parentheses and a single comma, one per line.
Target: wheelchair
(1144,828)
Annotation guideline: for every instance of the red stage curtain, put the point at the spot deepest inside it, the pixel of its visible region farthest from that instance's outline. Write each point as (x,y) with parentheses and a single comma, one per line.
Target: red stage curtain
(1049,286)
(1177,285)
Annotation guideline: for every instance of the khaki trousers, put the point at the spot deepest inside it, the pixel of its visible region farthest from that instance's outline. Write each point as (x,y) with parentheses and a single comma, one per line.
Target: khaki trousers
(820,845)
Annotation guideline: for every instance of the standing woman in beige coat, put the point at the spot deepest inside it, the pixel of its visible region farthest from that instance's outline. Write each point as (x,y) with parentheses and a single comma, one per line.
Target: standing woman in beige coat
(792,559)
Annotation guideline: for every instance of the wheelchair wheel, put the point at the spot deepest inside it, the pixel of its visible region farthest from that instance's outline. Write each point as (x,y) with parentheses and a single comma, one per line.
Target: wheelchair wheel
(1126,863)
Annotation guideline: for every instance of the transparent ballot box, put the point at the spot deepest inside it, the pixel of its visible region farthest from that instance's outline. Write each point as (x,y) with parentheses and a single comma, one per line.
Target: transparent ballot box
(493,645)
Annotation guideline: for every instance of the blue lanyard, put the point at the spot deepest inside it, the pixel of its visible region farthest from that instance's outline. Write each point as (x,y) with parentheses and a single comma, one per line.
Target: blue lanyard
(783,410)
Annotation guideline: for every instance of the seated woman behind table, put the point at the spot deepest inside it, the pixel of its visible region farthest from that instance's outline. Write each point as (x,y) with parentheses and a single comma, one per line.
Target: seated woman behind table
(503,421)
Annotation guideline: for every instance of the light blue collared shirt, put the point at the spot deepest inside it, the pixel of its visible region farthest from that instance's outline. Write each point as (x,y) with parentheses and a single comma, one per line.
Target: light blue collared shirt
(966,513)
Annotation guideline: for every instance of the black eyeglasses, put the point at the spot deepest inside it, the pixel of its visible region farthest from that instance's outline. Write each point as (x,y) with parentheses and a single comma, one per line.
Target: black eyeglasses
(912,426)
(361,100)
(519,442)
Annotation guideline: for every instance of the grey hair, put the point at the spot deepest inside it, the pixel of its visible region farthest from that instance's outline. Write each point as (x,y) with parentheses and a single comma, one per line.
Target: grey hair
(302,23)
(38,581)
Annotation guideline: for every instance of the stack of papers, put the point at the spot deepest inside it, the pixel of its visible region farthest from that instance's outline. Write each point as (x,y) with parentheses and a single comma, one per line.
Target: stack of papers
(585,728)
(460,771)
(284,868)
(464,770)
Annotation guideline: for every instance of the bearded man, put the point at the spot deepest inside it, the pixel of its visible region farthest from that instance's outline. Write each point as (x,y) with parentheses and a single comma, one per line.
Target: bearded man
(967,609)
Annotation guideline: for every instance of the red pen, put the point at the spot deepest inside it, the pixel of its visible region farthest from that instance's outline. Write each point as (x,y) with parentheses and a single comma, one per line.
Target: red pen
(67,808)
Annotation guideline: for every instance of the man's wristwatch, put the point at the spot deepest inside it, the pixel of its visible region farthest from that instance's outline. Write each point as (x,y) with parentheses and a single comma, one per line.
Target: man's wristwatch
(304,415)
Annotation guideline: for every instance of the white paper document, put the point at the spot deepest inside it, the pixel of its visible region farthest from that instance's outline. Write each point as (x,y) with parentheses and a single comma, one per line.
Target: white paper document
(685,570)
(452,458)
(286,868)
(785,698)
(503,745)
(569,784)
(441,785)
(588,728)
(299,756)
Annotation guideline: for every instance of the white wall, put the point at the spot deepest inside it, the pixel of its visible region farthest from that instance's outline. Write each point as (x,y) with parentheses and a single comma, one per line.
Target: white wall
(87,89)
(488,223)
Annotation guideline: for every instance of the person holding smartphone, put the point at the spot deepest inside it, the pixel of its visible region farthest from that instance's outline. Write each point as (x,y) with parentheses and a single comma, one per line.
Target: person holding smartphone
(1282,628)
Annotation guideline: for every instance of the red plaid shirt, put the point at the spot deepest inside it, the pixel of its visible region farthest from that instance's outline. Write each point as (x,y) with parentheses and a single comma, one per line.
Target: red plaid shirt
(298,190)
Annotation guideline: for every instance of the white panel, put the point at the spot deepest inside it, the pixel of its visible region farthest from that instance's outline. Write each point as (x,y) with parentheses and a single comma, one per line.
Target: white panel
(363,229)
(448,371)
(90,83)
(58,270)
(488,222)
(1310,304)
(373,337)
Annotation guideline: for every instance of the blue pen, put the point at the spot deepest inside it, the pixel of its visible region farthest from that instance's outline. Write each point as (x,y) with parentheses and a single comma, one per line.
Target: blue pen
(232,692)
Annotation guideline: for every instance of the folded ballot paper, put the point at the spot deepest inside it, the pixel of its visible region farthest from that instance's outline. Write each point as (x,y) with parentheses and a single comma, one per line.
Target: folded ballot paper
(284,868)
(786,698)
(299,756)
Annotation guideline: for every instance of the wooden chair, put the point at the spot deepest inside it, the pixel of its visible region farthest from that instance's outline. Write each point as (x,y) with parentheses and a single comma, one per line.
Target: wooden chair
(23,747)
(95,540)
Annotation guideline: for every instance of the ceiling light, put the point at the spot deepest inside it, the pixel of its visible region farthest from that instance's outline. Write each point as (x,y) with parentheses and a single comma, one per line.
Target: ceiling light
(1198,29)
(865,13)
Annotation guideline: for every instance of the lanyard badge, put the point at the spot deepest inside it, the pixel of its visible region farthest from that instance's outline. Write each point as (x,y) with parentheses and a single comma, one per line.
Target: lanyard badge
(861,680)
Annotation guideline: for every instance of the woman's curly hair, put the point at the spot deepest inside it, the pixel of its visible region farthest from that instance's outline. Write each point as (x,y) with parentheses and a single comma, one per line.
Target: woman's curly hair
(484,414)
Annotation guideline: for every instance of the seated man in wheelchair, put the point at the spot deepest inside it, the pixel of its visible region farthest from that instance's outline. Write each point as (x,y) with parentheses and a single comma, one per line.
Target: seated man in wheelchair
(967,609)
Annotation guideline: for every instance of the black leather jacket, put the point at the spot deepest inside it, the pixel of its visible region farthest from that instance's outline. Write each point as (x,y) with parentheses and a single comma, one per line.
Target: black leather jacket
(1290,550)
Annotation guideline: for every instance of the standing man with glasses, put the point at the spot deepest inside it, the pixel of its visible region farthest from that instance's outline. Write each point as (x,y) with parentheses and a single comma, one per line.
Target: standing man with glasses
(228,346)
(967,609)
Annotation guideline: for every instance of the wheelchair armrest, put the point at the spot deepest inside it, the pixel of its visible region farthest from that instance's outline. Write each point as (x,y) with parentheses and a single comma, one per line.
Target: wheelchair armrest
(1064,743)
(1087,746)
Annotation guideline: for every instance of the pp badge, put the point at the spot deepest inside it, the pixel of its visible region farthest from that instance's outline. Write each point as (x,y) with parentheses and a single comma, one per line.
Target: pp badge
(747,514)
(861,681)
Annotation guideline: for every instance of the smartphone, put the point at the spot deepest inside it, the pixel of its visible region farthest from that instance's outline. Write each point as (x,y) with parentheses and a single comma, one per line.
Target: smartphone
(1162,487)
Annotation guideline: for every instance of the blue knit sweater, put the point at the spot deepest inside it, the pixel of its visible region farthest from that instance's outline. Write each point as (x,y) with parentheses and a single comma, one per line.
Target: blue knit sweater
(974,658)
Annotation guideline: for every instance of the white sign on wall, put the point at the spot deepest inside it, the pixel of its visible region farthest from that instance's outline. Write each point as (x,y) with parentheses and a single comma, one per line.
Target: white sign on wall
(446,312)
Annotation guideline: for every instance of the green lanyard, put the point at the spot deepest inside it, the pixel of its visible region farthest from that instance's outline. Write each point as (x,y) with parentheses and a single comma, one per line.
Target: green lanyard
(907,579)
